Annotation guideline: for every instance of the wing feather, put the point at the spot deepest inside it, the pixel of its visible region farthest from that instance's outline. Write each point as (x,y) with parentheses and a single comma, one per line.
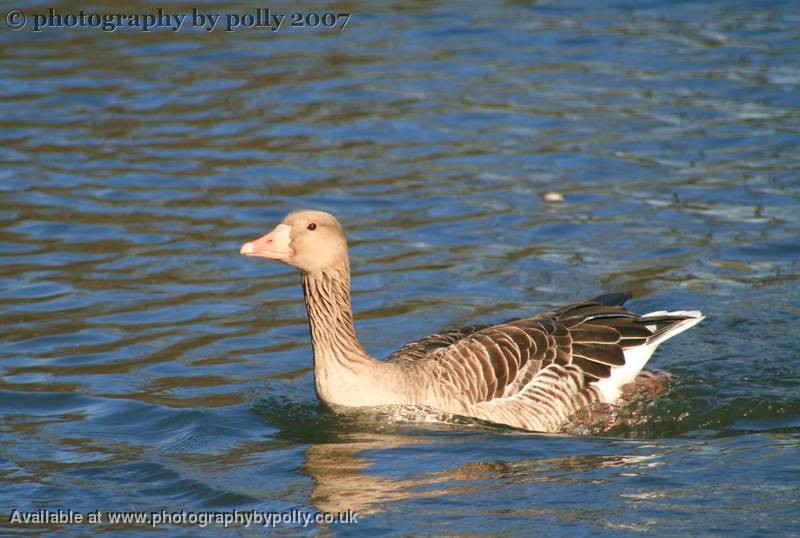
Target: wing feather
(496,363)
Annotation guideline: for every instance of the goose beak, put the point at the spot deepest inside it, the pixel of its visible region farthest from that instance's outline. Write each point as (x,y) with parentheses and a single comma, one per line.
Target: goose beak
(274,245)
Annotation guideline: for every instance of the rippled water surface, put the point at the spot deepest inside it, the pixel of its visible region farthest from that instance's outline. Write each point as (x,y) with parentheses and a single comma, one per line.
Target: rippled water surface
(145,365)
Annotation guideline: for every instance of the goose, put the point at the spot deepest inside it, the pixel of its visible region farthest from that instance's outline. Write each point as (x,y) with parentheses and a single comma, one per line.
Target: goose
(530,373)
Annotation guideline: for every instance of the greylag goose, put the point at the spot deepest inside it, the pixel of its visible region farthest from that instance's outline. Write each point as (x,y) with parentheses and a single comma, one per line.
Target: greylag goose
(530,373)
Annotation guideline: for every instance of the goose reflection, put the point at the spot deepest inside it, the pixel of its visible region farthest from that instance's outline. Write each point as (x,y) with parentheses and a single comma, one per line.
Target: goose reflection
(344,478)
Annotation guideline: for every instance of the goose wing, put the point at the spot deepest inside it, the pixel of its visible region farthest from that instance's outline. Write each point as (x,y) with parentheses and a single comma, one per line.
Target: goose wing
(498,361)
(427,347)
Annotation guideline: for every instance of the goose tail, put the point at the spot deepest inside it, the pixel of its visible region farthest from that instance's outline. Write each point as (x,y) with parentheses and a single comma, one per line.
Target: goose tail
(663,325)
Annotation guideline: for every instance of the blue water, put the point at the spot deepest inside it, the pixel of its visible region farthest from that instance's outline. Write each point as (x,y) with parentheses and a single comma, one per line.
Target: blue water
(146,366)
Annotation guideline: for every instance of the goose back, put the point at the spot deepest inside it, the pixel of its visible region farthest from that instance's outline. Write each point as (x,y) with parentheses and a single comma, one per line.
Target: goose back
(483,363)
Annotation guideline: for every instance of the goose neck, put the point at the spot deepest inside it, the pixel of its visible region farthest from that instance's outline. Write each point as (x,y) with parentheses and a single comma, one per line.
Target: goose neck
(330,317)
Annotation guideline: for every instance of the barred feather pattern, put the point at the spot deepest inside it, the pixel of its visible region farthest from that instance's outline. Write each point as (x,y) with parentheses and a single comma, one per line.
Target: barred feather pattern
(530,373)
(331,318)
(554,395)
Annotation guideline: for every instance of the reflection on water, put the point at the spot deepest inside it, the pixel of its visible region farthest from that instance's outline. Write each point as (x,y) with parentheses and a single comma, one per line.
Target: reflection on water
(343,479)
(145,365)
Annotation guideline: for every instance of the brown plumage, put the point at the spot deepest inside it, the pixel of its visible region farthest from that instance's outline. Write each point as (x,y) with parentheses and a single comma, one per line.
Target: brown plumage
(531,373)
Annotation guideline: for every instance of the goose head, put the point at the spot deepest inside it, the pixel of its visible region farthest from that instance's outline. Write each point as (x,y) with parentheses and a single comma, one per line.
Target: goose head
(313,242)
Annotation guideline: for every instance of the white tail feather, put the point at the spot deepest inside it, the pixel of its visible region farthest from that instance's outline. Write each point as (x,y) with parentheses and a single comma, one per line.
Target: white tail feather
(637,357)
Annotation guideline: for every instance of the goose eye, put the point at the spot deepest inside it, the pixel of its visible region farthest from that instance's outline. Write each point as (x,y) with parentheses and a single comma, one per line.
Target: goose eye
(312,226)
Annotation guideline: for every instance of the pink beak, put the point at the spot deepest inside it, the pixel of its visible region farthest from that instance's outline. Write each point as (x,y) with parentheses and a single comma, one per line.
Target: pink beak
(274,245)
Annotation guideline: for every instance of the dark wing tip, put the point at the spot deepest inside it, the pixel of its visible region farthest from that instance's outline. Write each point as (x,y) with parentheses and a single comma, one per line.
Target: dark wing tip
(612,299)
